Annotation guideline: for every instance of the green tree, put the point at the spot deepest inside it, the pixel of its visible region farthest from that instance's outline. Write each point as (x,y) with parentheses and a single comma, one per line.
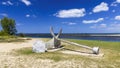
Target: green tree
(21,35)
(8,26)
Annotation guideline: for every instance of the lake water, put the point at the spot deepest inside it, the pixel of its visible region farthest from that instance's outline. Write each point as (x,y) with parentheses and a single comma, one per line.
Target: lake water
(100,38)
(115,37)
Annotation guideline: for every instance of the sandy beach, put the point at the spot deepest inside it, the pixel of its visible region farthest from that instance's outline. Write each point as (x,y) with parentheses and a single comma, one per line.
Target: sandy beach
(24,58)
(7,47)
(11,61)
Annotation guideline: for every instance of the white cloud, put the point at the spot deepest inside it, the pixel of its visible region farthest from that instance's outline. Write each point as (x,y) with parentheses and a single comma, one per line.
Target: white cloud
(26,2)
(111,27)
(113,11)
(99,26)
(10,3)
(93,21)
(117,17)
(3,14)
(90,12)
(118,1)
(102,7)
(7,3)
(114,27)
(27,15)
(70,13)
(115,3)
(4,3)
(32,16)
(69,23)
(103,26)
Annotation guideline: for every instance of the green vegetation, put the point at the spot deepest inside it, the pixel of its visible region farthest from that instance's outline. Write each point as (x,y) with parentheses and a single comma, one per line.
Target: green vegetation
(21,35)
(102,44)
(56,56)
(8,26)
(8,32)
(111,58)
(11,39)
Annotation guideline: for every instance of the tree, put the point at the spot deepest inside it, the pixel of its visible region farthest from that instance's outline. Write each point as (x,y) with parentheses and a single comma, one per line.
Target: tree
(21,35)
(8,26)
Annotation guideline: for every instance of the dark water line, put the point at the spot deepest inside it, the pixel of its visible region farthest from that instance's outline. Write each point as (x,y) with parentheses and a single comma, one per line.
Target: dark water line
(99,38)
(111,37)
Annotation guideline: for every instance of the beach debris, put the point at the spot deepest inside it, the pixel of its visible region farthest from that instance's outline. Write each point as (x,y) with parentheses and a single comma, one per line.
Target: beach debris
(95,50)
(52,45)
(39,47)
(54,42)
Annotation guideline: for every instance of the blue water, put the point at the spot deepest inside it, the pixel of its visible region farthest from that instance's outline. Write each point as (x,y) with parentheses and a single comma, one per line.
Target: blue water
(99,38)
(110,39)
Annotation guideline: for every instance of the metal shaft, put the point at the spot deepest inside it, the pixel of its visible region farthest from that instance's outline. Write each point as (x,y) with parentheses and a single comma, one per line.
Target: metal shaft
(72,43)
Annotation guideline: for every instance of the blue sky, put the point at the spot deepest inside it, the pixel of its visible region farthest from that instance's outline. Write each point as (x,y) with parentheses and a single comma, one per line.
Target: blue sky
(73,16)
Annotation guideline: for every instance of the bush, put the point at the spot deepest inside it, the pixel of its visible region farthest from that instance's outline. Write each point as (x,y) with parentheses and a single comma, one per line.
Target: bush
(2,33)
(21,35)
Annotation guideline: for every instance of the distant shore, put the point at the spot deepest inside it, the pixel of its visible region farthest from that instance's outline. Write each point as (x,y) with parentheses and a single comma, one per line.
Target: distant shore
(71,34)
(115,37)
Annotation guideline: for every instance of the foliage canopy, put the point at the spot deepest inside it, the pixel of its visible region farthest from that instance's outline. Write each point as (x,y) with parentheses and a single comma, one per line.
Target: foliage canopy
(8,26)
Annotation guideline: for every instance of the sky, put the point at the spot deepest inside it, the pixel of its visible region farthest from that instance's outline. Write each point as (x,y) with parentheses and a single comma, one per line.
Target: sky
(73,16)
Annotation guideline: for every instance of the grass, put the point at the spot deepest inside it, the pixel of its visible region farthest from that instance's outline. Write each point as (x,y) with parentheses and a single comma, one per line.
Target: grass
(102,44)
(56,56)
(111,59)
(11,39)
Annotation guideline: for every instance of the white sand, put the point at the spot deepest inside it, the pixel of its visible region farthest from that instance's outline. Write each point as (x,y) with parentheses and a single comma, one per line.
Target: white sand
(11,61)
(7,47)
